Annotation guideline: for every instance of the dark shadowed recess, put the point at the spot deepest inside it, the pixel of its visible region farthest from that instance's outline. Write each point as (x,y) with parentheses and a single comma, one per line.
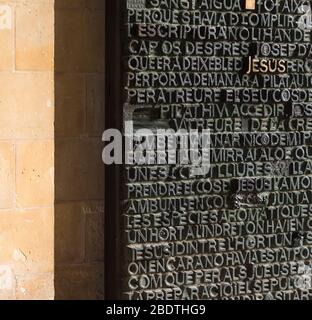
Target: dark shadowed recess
(79,169)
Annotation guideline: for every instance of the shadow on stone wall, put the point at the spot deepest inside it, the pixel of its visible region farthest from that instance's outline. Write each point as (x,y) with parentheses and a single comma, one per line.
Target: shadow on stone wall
(79,171)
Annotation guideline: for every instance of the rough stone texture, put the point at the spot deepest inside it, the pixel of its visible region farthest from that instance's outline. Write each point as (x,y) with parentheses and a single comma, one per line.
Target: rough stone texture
(27,149)
(79,170)
(80,282)
(37,74)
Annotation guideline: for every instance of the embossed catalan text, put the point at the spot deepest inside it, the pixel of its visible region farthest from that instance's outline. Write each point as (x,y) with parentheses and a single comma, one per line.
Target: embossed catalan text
(218,95)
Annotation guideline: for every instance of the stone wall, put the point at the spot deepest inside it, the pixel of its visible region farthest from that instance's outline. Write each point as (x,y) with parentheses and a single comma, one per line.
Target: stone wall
(26,149)
(51,122)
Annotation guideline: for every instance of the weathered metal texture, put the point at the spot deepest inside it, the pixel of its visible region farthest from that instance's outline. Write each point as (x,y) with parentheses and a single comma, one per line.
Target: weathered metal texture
(242,230)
